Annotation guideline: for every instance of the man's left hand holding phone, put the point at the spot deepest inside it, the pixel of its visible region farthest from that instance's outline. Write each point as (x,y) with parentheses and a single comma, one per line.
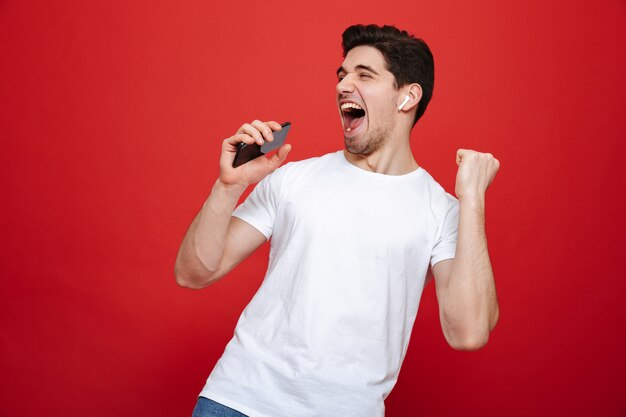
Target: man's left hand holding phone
(256,135)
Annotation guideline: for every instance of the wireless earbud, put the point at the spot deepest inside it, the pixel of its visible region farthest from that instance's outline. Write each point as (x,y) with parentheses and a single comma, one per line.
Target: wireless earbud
(406,100)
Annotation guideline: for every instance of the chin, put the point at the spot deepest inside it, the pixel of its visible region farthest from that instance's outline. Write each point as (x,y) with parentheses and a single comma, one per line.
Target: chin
(354,147)
(364,146)
(362,151)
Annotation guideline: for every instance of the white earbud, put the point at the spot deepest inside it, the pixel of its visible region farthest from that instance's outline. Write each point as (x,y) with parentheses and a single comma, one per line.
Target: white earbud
(406,100)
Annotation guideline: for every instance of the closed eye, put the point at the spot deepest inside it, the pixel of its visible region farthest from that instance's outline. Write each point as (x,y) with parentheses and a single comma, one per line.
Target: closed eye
(363,75)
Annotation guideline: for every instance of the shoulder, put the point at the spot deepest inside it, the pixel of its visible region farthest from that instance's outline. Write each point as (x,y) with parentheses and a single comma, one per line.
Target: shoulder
(308,164)
(441,201)
(305,168)
(294,175)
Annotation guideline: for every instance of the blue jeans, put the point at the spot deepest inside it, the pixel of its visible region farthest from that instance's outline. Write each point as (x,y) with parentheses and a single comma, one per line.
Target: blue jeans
(209,408)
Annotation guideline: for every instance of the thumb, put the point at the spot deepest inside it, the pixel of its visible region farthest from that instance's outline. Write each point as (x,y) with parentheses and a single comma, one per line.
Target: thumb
(280,156)
(459,155)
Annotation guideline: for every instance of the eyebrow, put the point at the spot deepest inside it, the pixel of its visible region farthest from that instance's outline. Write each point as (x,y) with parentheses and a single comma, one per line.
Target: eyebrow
(358,67)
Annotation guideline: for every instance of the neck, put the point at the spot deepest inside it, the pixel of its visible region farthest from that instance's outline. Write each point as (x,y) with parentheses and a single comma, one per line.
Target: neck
(393,158)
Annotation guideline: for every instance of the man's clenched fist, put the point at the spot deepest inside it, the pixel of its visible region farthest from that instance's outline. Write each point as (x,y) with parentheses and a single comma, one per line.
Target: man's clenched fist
(476,171)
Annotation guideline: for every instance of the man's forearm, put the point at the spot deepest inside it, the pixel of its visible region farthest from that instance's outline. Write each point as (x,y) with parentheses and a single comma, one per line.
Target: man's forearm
(201,251)
(470,307)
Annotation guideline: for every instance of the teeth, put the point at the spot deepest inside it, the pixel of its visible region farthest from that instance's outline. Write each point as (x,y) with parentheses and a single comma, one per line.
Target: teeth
(350,106)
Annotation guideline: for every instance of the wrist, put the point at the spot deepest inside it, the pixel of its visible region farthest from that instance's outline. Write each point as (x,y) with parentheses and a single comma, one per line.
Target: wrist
(231,190)
(223,197)
(474,201)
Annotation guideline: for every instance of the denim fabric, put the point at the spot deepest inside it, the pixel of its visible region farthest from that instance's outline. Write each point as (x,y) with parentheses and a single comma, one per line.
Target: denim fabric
(209,408)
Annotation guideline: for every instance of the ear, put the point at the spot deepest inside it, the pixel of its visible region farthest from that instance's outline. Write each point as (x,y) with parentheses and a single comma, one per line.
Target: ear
(414,94)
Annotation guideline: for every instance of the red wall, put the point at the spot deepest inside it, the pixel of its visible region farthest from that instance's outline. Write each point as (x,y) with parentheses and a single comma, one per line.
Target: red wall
(111,119)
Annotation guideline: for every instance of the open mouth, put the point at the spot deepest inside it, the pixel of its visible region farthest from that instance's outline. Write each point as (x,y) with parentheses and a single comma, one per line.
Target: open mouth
(353,115)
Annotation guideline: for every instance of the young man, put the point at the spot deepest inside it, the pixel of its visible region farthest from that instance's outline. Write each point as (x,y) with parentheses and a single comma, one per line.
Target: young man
(353,236)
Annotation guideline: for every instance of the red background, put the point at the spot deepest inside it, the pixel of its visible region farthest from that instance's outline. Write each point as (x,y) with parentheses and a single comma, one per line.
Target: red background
(111,121)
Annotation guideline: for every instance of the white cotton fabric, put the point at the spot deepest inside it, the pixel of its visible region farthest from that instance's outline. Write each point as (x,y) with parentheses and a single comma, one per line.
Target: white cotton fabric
(328,329)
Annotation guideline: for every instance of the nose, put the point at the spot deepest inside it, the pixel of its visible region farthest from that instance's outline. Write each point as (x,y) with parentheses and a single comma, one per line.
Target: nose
(345,85)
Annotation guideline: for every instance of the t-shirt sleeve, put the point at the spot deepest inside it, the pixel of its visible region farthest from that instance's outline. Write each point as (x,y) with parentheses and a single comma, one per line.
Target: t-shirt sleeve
(445,245)
(259,209)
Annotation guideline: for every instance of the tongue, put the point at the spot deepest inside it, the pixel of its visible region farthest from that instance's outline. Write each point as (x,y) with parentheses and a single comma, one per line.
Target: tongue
(354,122)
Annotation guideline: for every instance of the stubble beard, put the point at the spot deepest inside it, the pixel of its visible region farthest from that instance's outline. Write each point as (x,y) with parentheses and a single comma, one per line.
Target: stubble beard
(372,141)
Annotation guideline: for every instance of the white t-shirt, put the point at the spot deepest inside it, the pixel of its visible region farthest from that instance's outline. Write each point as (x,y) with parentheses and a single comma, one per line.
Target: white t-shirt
(328,329)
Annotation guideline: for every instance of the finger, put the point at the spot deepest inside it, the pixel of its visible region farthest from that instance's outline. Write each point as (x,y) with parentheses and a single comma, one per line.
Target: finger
(265,130)
(274,125)
(237,139)
(251,130)
(491,178)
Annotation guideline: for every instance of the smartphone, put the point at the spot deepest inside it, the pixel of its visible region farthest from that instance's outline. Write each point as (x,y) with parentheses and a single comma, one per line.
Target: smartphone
(246,153)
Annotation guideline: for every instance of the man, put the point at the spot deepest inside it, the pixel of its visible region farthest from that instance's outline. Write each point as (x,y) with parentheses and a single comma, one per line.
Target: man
(353,236)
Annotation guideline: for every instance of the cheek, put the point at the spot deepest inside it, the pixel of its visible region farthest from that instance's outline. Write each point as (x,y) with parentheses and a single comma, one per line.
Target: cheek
(380,104)
(382,111)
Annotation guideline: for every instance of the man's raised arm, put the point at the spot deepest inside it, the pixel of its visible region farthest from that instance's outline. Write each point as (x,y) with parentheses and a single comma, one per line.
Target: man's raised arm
(216,242)
(465,287)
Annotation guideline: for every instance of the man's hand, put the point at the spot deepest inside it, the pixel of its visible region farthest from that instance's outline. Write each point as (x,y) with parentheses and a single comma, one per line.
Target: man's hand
(476,171)
(255,170)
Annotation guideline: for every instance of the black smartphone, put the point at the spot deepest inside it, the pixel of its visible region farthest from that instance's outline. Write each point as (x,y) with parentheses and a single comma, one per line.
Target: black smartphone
(246,153)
